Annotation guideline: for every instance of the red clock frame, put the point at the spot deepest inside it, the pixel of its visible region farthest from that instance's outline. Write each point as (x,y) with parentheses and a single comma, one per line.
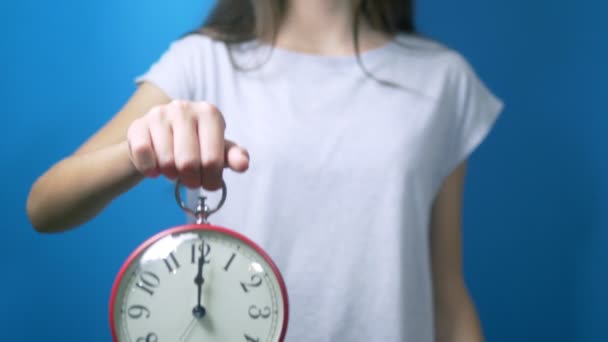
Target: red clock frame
(191,228)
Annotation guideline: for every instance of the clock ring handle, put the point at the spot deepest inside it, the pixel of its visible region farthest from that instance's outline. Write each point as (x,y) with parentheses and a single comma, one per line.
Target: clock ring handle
(202,211)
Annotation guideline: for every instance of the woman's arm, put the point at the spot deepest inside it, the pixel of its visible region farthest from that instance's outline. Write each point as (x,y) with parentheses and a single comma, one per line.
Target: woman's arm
(77,188)
(151,136)
(456,319)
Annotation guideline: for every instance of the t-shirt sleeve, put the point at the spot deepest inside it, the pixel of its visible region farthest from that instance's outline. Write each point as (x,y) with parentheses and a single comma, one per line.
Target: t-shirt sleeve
(474,111)
(173,72)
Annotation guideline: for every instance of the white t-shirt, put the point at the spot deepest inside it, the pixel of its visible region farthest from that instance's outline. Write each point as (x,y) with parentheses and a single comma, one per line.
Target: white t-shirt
(343,170)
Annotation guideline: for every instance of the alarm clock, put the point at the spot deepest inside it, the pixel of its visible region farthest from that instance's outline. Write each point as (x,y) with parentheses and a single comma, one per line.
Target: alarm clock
(199,282)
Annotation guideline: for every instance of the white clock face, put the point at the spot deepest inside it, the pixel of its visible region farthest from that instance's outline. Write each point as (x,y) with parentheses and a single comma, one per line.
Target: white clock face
(157,297)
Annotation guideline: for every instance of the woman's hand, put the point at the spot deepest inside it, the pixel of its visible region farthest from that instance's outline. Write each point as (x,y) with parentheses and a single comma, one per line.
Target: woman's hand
(186,140)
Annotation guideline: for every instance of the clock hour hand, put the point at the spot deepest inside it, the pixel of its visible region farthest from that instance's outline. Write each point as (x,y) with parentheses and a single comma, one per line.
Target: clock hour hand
(199,311)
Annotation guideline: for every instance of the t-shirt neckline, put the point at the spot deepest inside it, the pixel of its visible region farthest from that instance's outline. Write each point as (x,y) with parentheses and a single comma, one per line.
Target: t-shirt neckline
(289,55)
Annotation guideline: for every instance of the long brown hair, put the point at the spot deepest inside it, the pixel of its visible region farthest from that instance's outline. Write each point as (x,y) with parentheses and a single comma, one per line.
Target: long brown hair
(237,21)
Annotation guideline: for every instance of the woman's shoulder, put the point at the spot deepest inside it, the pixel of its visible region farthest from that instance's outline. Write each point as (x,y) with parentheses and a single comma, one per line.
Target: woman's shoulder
(195,41)
(423,45)
(178,69)
(432,58)
(196,51)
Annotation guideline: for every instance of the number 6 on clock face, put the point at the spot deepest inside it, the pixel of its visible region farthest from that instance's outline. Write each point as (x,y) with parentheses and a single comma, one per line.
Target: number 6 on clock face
(199,283)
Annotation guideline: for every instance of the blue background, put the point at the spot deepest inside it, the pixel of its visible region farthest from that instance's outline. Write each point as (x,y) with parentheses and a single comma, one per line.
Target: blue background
(536,243)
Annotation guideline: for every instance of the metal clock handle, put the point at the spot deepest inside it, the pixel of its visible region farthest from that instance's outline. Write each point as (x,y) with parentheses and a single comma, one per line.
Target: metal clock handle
(202,211)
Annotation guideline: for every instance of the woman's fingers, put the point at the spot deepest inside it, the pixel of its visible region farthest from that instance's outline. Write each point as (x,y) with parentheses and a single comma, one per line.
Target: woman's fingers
(211,127)
(161,134)
(142,153)
(186,140)
(186,149)
(236,157)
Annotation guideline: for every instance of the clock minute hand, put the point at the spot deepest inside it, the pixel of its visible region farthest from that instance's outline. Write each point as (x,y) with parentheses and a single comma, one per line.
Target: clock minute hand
(199,311)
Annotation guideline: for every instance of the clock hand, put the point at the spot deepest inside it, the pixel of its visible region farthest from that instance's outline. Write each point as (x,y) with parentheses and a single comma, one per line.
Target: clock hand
(186,332)
(199,311)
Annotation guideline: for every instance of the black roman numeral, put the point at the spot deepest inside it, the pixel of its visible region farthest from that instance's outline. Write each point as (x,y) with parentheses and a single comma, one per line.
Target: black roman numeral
(148,281)
(229,261)
(171,263)
(251,339)
(203,248)
(256,281)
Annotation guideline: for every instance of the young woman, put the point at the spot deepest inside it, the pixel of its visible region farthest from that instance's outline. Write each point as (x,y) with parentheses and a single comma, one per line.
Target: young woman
(343,137)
